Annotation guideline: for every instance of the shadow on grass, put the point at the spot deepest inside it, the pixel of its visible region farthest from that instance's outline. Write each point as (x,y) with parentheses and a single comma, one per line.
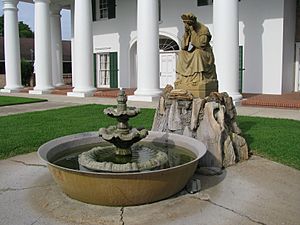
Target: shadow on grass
(245,127)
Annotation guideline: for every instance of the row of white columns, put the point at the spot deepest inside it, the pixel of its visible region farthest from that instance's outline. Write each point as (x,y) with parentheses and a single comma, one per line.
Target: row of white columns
(48,70)
(225,21)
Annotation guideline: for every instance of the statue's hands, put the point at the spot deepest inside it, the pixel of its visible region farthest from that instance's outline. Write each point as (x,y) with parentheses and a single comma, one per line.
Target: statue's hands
(187,28)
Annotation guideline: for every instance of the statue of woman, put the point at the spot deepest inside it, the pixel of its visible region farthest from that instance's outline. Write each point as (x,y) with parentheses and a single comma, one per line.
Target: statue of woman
(196,63)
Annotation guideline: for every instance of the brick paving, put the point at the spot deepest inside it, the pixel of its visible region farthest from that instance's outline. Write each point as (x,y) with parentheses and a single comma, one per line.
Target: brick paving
(288,100)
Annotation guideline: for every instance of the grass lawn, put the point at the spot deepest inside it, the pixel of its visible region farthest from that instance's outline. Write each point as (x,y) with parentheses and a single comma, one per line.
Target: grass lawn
(275,139)
(11,100)
(25,132)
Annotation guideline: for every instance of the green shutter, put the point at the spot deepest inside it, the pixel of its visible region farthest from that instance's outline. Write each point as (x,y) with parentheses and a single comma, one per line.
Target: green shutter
(95,70)
(113,67)
(111,9)
(94,9)
(241,69)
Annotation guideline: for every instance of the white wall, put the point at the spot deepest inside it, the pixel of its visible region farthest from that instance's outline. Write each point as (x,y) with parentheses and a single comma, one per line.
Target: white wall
(261,34)
(289,29)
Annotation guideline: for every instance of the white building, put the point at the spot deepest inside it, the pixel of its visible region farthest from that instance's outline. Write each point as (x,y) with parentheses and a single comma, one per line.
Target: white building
(133,43)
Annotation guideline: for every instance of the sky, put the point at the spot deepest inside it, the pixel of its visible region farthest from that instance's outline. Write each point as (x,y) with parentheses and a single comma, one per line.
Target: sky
(26,14)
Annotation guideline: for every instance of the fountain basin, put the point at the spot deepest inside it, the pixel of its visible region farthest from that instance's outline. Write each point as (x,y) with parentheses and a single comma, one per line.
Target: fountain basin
(120,189)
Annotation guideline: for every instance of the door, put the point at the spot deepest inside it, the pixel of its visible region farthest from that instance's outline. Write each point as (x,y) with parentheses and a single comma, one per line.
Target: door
(103,73)
(167,69)
(107,70)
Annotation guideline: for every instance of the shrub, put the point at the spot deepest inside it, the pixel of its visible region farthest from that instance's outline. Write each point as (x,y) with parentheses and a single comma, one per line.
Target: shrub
(26,72)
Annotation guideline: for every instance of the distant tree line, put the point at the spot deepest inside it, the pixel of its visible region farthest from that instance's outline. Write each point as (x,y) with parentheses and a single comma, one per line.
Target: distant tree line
(24,29)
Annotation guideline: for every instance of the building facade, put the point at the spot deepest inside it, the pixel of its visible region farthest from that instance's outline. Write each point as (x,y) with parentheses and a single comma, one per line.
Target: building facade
(133,43)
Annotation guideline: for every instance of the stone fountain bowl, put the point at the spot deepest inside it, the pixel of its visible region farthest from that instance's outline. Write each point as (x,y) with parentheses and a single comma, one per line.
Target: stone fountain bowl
(120,189)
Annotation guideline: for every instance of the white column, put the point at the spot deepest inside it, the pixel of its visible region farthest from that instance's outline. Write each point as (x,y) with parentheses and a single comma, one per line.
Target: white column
(56,46)
(11,47)
(72,44)
(147,51)
(83,44)
(226,46)
(42,45)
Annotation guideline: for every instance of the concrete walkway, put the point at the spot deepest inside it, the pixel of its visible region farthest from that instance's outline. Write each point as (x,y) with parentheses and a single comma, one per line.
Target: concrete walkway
(257,191)
(58,101)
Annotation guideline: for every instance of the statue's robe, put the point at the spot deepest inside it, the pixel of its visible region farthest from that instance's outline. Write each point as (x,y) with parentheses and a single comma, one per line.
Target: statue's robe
(199,59)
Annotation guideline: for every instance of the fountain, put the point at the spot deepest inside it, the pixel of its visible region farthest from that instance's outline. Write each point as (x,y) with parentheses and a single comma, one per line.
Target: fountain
(123,157)
(120,165)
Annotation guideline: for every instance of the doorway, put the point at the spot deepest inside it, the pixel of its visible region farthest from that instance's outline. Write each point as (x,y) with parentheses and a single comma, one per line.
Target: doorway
(167,68)
(168,49)
(107,70)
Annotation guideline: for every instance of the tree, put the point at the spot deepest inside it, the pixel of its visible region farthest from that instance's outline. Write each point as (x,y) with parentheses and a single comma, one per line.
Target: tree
(24,29)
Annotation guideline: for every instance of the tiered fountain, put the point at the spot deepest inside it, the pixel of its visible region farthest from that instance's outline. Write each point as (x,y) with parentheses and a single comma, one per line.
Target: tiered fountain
(129,172)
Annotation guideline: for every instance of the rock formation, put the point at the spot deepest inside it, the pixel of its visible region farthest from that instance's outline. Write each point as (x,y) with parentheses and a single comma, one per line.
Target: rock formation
(211,120)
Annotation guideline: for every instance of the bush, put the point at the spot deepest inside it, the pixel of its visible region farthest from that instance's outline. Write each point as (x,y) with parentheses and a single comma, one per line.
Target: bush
(26,72)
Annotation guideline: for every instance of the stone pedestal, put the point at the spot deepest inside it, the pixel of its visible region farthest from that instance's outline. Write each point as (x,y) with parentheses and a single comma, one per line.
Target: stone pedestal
(199,90)
(211,120)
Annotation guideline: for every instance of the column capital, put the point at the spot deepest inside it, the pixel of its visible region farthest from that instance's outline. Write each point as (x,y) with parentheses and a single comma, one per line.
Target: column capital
(10,5)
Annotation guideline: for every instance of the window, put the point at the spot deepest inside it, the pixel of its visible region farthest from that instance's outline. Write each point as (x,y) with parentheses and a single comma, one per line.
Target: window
(167,44)
(104,70)
(204,2)
(104,9)
(107,9)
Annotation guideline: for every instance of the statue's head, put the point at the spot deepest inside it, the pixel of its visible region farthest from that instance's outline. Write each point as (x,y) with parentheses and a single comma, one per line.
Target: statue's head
(189,18)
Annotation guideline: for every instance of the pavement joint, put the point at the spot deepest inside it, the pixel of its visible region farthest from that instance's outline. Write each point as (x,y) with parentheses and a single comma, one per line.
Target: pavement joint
(28,164)
(207,199)
(122,215)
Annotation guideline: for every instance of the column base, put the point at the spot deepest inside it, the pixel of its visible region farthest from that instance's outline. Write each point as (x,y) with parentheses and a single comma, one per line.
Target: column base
(142,98)
(39,92)
(80,94)
(4,90)
(59,84)
(149,95)
(236,97)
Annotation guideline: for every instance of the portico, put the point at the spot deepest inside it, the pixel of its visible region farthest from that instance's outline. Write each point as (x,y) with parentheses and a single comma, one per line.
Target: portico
(48,62)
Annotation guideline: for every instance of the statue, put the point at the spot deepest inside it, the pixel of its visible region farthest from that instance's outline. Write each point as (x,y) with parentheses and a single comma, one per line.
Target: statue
(195,67)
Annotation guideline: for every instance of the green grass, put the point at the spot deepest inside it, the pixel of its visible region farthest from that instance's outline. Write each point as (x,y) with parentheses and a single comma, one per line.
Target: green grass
(11,100)
(24,133)
(275,139)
